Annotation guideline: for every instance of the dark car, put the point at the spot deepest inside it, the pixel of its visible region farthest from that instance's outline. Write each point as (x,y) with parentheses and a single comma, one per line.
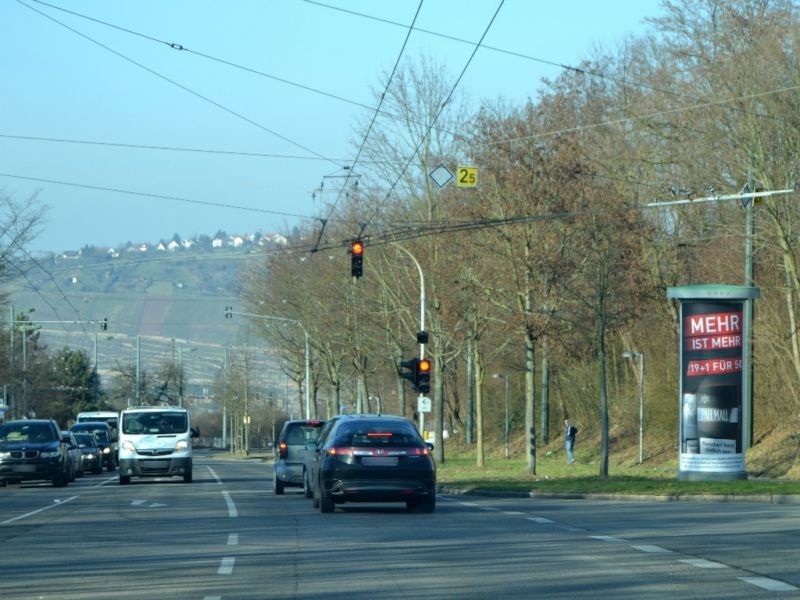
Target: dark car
(103,434)
(33,449)
(290,453)
(373,458)
(91,454)
(74,453)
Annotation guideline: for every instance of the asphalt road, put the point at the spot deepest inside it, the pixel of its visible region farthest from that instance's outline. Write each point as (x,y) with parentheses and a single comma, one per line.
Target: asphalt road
(227,536)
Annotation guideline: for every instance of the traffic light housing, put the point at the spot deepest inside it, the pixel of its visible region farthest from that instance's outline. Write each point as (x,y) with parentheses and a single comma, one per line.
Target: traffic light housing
(357,258)
(228,312)
(418,372)
(423,376)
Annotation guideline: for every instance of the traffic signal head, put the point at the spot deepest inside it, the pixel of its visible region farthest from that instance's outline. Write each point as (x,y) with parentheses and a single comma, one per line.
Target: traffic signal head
(357,258)
(228,312)
(409,370)
(423,376)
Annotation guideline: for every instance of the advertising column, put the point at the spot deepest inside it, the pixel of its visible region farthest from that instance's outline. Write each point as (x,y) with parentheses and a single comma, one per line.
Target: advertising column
(713,378)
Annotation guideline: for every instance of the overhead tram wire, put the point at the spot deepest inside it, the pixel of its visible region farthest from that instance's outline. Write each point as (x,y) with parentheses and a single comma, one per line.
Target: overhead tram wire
(182,48)
(182,87)
(374,117)
(435,118)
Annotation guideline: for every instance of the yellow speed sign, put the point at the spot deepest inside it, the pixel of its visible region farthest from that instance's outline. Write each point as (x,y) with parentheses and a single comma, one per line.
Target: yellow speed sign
(467,177)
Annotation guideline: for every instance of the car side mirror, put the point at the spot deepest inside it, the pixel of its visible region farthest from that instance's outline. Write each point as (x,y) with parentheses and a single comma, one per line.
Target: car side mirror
(195,432)
(270,445)
(429,445)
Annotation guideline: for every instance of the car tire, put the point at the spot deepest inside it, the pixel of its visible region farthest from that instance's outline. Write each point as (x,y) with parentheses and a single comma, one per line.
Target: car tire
(187,476)
(308,491)
(326,504)
(315,497)
(124,479)
(423,505)
(278,486)
(97,469)
(61,480)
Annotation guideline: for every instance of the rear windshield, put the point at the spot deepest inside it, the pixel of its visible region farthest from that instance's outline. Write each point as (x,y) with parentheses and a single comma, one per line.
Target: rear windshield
(152,422)
(300,433)
(378,433)
(100,432)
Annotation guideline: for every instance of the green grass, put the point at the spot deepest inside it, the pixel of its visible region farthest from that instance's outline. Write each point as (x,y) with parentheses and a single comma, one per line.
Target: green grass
(554,476)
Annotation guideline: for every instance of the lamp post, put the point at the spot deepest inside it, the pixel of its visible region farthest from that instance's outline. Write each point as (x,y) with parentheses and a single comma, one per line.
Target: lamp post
(640,357)
(505,406)
(229,312)
(180,373)
(421,318)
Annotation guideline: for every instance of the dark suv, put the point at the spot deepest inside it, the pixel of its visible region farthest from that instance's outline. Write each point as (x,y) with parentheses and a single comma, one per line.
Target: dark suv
(290,453)
(373,458)
(33,449)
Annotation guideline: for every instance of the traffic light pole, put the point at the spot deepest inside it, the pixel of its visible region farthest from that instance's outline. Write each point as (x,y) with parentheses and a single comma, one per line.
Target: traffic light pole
(228,311)
(421,319)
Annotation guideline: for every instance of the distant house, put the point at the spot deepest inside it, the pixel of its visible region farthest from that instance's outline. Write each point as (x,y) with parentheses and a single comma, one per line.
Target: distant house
(217,243)
(162,247)
(144,247)
(187,244)
(236,241)
(112,253)
(70,255)
(173,245)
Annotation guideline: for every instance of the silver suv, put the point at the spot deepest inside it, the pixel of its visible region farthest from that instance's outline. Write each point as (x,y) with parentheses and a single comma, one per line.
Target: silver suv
(290,453)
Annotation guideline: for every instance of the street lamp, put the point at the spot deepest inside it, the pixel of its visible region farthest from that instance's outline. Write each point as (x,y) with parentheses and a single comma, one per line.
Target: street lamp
(505,404)
(230,312)
(640,357)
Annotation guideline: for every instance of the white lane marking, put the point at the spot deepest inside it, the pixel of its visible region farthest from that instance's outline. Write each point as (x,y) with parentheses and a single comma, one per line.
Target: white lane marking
(38,510)
(702,563)
(214,475)
(606,538)
(226,566)
(233,539)
(652,549)
(490,508)
(772,585)
(232,512)
(212,597)
(512,512)
(468,504)
(540,520)
(138,502)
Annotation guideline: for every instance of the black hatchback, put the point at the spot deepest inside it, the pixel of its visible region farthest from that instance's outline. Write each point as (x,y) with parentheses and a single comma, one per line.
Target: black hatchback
(374,458)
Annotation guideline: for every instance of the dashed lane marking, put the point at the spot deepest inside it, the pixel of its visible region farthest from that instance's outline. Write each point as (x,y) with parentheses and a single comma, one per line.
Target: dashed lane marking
(652,549)
(226,566)
(772,585)
(702,563)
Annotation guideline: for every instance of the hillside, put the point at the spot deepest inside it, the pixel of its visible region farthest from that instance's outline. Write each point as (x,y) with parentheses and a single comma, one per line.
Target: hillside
(174,302)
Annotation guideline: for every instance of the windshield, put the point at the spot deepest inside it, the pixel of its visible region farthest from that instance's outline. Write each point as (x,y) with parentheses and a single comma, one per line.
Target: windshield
(152,422)
(25,432)
(112,421)
(86,439)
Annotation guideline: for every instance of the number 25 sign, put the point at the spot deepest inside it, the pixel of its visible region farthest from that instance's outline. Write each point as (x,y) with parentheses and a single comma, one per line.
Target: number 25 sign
(467,177)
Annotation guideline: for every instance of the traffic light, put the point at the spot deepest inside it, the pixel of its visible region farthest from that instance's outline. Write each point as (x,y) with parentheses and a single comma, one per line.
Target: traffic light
(409,370)
(423,376)
(228,312)
(357,258)
(104,324)
(418,372)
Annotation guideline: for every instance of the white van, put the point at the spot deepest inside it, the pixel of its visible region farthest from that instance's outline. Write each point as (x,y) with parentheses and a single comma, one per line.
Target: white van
(155,441)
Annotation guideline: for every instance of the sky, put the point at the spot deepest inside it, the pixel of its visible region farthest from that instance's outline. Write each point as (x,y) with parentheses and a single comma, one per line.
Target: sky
(264,98)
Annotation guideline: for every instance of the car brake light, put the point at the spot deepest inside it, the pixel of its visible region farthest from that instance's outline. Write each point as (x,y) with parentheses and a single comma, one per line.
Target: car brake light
(283,450)
(340,452)
(369,435)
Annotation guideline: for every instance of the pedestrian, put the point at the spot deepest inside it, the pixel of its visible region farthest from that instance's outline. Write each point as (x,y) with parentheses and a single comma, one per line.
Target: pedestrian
(570,431)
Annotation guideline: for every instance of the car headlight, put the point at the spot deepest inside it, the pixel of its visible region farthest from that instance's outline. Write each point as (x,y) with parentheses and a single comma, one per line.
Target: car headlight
(128,446)
(53,454)
(5,455)
(181,446)
(106,450)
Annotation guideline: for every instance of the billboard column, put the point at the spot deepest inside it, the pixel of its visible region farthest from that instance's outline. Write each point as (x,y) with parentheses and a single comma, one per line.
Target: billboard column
(714,373)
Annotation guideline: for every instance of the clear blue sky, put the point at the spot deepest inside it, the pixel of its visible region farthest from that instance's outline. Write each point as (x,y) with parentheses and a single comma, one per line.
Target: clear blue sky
(61,84)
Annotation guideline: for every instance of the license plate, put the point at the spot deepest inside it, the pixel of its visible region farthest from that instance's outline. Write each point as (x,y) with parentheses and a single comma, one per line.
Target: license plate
(24,468)
(379,461)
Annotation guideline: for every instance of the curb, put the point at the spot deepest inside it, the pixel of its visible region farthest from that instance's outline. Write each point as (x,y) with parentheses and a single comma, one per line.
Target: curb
(792,499)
